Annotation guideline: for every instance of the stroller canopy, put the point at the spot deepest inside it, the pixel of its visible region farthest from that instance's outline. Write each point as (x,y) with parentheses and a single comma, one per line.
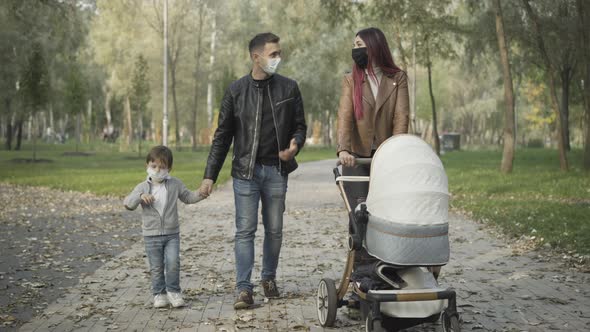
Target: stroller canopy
(408,204)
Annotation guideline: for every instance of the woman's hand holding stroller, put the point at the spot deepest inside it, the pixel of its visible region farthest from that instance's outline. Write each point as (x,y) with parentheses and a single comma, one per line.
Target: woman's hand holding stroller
(346,159)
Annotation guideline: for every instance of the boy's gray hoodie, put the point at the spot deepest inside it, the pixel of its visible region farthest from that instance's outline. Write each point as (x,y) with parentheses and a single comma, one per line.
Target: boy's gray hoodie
(153,222)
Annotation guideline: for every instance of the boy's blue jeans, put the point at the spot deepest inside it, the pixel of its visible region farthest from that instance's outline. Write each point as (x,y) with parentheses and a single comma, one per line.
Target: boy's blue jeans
(269,187)
(163,253)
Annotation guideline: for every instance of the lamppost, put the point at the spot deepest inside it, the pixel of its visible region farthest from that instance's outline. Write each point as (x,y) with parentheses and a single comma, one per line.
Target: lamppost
(165,92)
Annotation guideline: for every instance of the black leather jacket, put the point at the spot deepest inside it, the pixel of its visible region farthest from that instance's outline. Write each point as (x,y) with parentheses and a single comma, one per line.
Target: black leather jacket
(240,120)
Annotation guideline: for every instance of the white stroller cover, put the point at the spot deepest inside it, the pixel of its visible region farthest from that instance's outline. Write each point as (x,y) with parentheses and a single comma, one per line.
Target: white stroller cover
(408,204)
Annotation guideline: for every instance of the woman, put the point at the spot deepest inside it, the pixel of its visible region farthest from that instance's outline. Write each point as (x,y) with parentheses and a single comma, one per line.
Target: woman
(374,105)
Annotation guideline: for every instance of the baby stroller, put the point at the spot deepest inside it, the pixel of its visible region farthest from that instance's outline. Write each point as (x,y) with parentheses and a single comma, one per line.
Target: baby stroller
(403,226)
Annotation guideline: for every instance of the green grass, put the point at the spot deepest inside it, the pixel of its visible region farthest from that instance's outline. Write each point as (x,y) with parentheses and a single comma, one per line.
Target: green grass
(107,171)
(537,199)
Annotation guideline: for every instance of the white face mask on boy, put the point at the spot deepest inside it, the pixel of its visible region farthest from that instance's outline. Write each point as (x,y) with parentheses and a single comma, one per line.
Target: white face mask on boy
(158,176)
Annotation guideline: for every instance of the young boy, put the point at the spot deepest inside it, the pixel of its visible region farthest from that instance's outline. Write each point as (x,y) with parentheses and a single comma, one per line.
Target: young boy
(157,196)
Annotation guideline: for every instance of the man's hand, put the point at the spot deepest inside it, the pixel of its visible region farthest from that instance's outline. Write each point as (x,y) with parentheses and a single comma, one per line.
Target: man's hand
(289,153)
(346,159)
(206,188)
(147,199)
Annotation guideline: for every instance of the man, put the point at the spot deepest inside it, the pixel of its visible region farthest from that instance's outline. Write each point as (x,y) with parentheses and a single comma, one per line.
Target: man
(262,113)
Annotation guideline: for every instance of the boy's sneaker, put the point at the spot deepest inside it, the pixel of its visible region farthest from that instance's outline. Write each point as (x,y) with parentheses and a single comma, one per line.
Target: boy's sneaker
(161,301)
(176,299)
(270,289)
(244,300)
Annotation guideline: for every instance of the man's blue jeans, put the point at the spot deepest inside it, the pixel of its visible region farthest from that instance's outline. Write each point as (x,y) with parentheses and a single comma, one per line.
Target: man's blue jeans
(163,252)
(269,187)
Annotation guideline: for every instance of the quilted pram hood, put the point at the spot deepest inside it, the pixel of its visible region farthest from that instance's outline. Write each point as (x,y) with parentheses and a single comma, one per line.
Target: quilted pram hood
(408,204)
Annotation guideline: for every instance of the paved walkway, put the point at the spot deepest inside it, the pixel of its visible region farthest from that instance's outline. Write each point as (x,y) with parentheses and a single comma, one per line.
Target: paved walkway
(497,290)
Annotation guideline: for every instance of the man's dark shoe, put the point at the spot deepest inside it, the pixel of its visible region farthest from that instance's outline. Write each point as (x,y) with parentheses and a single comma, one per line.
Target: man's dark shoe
(270,289)
(354,313)
(244,300)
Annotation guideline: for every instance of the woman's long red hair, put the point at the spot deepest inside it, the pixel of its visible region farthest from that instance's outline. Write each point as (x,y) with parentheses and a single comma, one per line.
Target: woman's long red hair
(380,56)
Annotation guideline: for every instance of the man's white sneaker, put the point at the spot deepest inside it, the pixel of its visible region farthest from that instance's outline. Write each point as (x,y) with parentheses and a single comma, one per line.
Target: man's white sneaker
(161,301)
(176,299)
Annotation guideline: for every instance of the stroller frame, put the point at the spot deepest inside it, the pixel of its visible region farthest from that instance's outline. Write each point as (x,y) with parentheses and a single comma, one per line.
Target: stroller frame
(330,298)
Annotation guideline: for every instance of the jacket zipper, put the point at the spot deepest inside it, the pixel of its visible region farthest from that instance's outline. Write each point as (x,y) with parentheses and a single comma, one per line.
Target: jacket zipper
(284,101)
(272,109)
(159,215)
(164,211)
(255,142)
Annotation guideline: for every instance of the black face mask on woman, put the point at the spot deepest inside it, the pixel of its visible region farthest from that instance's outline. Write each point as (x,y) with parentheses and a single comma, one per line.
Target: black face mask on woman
(360,56)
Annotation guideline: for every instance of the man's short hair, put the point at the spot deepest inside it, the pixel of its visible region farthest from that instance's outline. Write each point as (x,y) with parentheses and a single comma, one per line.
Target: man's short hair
(262,39)
(160,153)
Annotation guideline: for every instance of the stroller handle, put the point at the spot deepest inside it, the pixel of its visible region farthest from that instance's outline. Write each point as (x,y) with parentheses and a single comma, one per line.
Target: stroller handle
(358,161)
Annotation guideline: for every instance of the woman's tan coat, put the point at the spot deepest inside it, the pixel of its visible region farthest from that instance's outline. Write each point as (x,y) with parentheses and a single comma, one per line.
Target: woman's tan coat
(383,117)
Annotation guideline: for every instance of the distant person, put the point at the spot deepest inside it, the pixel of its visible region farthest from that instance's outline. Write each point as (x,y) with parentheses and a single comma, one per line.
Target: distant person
(262,113)
(158,196)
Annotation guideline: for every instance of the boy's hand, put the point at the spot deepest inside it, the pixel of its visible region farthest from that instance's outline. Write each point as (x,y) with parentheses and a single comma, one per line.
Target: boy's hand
(206,188)
(147,199)
(289,153)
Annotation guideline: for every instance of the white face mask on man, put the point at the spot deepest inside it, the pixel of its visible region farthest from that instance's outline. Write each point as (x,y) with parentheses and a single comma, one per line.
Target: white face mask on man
(270,66)
(158,176)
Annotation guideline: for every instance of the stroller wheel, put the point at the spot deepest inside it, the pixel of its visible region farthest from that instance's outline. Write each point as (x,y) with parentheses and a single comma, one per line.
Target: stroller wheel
(450,323)
(373,325)
(327,302)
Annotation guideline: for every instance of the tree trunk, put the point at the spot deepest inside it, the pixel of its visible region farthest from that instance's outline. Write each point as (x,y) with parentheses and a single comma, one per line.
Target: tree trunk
(508,153)
(563,163)
(128,121)
(174,101)
(434,129)
(210,80)
(154,131)
(44,125)
(402,51)
(88,124)
(64,126)
(585,43)
(107,110)
(326,128)
(19,133)
(472,129)
(565,114)
(34,133)
(29,127)
(560,139)
(51,123)
(139,130)
(9,124)
(8,135)
(78,129)
(198,52)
